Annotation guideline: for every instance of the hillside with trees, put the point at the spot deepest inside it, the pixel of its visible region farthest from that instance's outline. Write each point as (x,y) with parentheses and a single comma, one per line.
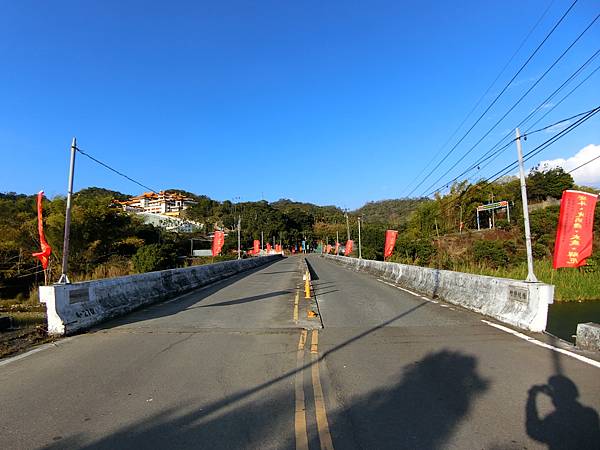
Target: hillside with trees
(106,241)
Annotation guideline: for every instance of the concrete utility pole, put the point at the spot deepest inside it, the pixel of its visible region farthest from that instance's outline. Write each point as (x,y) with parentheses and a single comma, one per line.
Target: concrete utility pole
(347,226)
(239,228)
(64,279)
(359,242)
(530,275)
(262,237)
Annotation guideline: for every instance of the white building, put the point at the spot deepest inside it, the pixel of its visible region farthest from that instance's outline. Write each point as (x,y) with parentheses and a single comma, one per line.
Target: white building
(161,203)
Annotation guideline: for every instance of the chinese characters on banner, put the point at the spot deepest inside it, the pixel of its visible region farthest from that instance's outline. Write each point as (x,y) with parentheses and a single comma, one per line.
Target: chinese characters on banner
(575,229)
(348,248)
(217,243)
(390,242)
(44,255)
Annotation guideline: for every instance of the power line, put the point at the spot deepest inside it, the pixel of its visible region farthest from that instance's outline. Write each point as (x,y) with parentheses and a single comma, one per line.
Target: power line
(115,170)
(556,61)
(486,91)
(497,97)
(502,172)
(584,164)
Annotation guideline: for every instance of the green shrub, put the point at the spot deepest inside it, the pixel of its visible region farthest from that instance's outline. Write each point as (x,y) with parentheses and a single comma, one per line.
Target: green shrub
(154,257)
(491,253)
(540,250)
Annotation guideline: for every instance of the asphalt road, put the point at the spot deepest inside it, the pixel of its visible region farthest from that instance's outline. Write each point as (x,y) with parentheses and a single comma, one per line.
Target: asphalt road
(240,365)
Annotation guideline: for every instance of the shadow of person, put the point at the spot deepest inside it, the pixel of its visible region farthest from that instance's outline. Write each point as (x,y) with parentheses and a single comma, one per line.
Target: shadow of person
(421,411)
(571,425)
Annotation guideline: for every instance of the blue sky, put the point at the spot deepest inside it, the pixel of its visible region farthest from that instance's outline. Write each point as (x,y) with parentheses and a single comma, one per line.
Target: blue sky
(327,102)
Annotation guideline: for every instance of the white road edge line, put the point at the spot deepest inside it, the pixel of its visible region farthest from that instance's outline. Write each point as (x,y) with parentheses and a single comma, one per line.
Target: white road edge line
(543,344)
(35,350)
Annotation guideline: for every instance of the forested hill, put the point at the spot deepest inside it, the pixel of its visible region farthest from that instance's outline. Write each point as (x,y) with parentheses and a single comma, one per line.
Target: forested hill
(395,211)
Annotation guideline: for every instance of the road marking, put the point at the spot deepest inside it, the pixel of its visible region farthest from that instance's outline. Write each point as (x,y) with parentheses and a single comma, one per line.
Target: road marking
(320,411)
(296,306)
(41,348)
(300,407)
(543,344)
(302,342)
(402,289)
(314,342)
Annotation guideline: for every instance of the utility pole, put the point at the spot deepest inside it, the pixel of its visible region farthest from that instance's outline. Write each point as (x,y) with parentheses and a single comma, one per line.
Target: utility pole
(359,242)
(530,275)
(347,226)
(239,228)
(337,242)
(64,279)
(262,237)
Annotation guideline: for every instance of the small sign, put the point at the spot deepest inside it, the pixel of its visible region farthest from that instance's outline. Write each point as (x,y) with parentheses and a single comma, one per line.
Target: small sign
(518,294)
(502,204)
(79,295)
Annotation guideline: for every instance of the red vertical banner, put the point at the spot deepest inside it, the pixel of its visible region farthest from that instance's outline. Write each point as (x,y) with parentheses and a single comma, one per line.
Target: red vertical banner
(575,229)
(390,242)
(256,249)
(337,248)
(44,255)
(268,248)
(348,249)
(217,243)
(328,248)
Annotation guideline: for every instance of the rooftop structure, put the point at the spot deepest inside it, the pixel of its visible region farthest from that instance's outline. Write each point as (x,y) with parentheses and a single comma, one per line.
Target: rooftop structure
(158,203)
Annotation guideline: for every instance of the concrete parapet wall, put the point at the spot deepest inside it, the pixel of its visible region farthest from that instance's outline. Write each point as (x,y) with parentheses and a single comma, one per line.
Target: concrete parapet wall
(588,336)
(78,306)
(518,303)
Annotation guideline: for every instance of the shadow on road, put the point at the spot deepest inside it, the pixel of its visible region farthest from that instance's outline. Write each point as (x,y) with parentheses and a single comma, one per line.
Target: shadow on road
(245,299)
(177,304)
(571,425)
(420,411)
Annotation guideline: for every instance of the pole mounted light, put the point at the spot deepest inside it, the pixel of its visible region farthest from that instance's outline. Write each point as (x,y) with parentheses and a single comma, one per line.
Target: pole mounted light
(64,279)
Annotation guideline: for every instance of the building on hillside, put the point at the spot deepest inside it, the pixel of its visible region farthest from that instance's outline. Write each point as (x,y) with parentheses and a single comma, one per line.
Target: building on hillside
(170,223)
(157,203)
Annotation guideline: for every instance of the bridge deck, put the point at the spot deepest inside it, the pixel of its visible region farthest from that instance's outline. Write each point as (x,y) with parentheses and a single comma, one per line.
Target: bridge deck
(227,366)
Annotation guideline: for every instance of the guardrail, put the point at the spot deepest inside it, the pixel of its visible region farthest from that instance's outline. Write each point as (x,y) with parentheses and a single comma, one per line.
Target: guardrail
(518,303)
(78,306)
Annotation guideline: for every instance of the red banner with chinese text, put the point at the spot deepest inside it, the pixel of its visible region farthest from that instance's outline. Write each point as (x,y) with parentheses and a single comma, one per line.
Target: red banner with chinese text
(44,255)
(256,249)
(217,243)
(328,248)
(575,229)
(268,247)
(390,242)
(348,248)
(337,248)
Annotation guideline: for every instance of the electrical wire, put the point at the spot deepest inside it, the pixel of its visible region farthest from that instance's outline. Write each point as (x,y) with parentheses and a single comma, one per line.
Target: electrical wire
(497,97)
(485,93)
(115,170)
(584,164)
(556,61)
(489,154)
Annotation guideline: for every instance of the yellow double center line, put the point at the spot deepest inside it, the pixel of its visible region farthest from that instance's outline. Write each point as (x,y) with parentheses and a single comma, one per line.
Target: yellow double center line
(320,411)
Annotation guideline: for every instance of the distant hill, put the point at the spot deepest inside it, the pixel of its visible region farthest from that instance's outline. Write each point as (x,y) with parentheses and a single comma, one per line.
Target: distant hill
(389,211)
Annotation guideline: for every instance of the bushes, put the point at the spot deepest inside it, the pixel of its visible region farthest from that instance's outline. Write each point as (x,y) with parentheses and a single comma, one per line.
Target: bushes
(492,253)
(415,251)
(154,257)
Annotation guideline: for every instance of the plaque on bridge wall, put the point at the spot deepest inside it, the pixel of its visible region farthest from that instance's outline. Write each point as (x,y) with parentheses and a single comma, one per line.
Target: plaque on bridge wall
(79,295)
(518,294)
